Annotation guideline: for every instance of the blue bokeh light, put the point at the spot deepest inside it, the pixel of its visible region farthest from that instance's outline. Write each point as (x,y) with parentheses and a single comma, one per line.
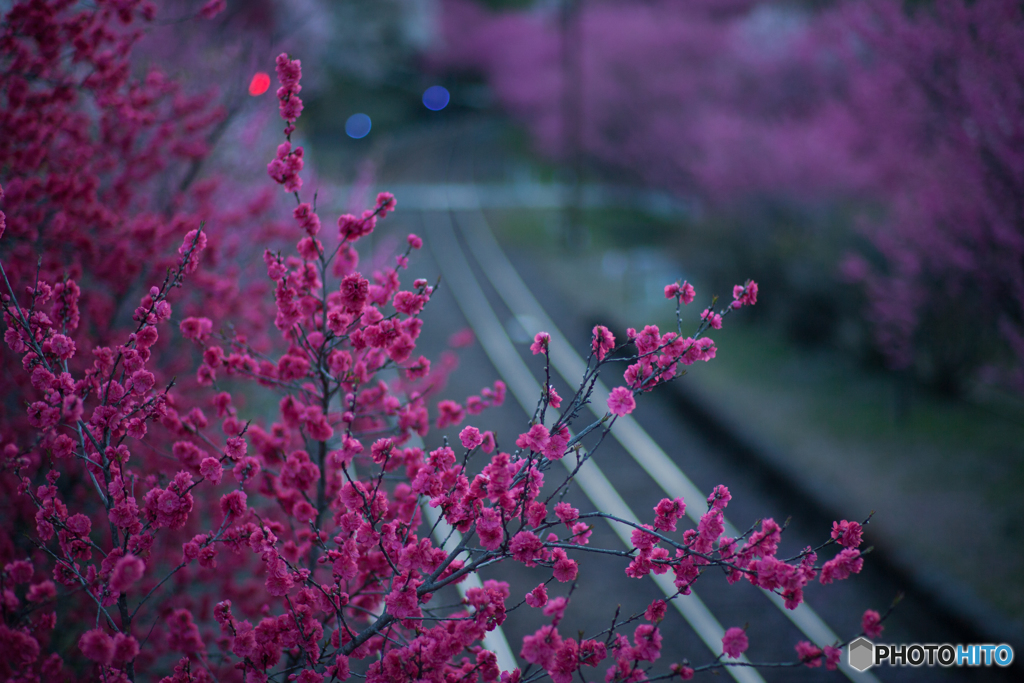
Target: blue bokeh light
(358,126)
(436,98)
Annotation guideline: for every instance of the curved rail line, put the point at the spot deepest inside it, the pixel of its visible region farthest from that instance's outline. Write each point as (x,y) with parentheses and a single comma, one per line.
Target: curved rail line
(516,295)
(439,220)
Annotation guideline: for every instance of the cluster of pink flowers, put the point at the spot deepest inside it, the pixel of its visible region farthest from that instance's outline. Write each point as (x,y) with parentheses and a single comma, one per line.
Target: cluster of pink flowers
(753,557)
(659,355)
(289,73)
(183,538)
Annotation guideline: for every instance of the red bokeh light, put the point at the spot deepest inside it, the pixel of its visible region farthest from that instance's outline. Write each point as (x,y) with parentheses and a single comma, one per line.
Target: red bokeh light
(259,84)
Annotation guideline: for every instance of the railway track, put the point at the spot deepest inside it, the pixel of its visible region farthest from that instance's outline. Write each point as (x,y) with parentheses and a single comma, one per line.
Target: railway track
(656,455)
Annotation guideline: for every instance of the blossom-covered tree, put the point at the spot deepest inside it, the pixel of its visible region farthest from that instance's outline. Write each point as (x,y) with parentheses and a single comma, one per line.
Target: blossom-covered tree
(154,530)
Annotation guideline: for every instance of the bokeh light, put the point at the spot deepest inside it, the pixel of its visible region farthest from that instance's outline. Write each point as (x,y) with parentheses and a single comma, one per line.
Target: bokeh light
(358,126)
(259,84)
(436,98)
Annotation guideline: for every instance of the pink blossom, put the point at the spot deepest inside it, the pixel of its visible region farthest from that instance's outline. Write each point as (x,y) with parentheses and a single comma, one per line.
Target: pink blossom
(308,676)
(402,602)
(449,413)
(638,375)
(127,571)
(536,513)
(41,592)
(191,247)
(647,643)
(20,570)
(581,532)
(304,511)
(648,339)
(538,597)
(497,395)
(184,634)
(233,504)
(841,566)
(525,547)
(714,319)
(385,203)
(462,338)
(291,108)
(540,343)
(809,654)
(409,303)
(540,647)
(684,672)
(603,342)
(871,624)
(744,295)
(705,349)
(79,524)
(307,219)
(342,670)
(535,439)
(235,448)
(719,497)
(470,437)
(566,513)
(142,381)
(97,645)
(555,608)
(683,291)
(621,401)
(655,612)
(488,443)
(734,642)
(832,657)
(489,529)
(558,441)
(62,346)
(849,534)
(668,512)
(554,400)
(381,450)
(354,291)
(126,648)
(564,568)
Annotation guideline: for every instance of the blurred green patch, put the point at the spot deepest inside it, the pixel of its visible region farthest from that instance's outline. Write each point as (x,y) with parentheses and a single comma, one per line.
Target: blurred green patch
(606,228)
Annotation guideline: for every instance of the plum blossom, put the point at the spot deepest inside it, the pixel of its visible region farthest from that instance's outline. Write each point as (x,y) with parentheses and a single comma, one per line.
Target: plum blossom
(621,401)
(734,642)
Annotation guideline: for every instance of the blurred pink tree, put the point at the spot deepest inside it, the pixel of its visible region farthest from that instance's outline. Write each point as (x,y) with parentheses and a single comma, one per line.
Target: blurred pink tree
(919,112)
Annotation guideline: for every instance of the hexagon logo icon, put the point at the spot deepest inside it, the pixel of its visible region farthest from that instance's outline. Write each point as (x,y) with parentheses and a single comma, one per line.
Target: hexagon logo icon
(861,653)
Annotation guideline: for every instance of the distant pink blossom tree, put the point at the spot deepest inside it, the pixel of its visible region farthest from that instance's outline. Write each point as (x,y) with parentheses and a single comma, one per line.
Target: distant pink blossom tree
(916,111)
(934,99)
